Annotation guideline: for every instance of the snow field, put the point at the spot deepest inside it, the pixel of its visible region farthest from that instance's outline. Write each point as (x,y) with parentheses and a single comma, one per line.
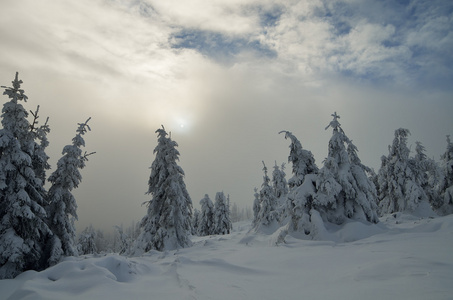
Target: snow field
(403,257)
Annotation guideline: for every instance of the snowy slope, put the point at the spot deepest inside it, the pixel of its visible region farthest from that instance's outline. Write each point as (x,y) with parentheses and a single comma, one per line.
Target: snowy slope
(401,258)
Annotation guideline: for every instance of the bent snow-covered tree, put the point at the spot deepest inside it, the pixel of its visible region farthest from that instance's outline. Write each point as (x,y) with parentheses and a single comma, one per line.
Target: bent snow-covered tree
(399,189)
(62,207)
(344,191)
(302,161)
(22,213)
(167,224)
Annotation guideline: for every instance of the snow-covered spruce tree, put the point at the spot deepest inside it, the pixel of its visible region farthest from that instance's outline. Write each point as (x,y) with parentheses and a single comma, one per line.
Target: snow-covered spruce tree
(399,189)
(427,173)
(87,241)
(344,190)
(279,181)
(166,225)
(222,222)
(445,189)
(62,206)
(256,208)
(195,221)
(267,214)
(40,158)
(22,213)
(206,219)
(302,161)
(302,186)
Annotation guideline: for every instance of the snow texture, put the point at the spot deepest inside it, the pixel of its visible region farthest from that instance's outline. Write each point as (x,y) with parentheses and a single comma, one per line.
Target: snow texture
(402,257)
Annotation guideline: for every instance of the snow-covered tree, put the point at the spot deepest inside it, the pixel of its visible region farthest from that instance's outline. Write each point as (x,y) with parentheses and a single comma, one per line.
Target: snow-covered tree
(123,240)
(167,224)
(206,219)
(222,222)
(87,241)
(195,221)
(39,157)
(22,213)
(62,206)
(302,161)
(267,214)
(279,181)
(446,183)
(344,191)
(399,187)
(256,208)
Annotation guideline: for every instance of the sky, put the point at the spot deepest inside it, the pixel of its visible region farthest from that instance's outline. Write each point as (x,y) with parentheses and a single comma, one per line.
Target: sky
(225,77)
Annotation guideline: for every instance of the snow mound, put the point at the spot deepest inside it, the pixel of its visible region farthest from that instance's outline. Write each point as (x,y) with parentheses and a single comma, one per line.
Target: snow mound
(404,257)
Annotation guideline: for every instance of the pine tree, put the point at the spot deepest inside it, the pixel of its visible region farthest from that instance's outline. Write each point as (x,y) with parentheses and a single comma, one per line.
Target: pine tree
(344,191)
(279,183)
(399,189)
(302,161)
(22,213)
(87,241)
(62,209)
(40,158)
(267,214)
(167,223)
(445,189)
(195,221)
(206,219)
(222,222)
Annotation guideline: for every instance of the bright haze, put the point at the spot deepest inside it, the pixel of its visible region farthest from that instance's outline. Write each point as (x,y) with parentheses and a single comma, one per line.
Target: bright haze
(224,77)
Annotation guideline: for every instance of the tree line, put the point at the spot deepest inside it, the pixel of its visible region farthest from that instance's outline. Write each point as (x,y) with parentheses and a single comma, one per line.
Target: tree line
(37,224)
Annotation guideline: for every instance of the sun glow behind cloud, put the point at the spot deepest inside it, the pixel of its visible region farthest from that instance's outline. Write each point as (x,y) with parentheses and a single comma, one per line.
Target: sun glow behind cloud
(225,77)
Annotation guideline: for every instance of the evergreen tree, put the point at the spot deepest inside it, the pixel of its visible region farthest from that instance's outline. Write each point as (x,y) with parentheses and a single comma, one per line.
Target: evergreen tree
(195,221)
(167,223)
(302,161)
(87,241)
(279,181)
(399,187)
(344,191)
(206,219)
(22,213)
(446,184)
(62,209)
(267,214)
(222,222)
(40,158)
(256,208)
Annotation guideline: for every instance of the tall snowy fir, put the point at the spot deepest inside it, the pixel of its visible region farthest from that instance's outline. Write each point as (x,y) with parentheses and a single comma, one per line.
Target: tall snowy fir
(446,184)
(344,191)
(22,213)
(267,215)
(222,222)
(195,221)
(399,189)
(62,207)
(40,158)
(256,208)
(206,218)
(167,224)
(279,183)
(302,161)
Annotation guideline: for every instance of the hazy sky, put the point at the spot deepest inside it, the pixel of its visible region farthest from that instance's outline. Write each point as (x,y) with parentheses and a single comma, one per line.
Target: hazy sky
(225,76)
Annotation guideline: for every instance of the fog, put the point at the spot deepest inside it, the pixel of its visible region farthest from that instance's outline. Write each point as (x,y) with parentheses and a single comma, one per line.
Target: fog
(224,78)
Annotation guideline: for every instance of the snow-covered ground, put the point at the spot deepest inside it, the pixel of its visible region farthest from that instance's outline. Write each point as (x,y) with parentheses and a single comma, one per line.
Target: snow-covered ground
(401,258)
